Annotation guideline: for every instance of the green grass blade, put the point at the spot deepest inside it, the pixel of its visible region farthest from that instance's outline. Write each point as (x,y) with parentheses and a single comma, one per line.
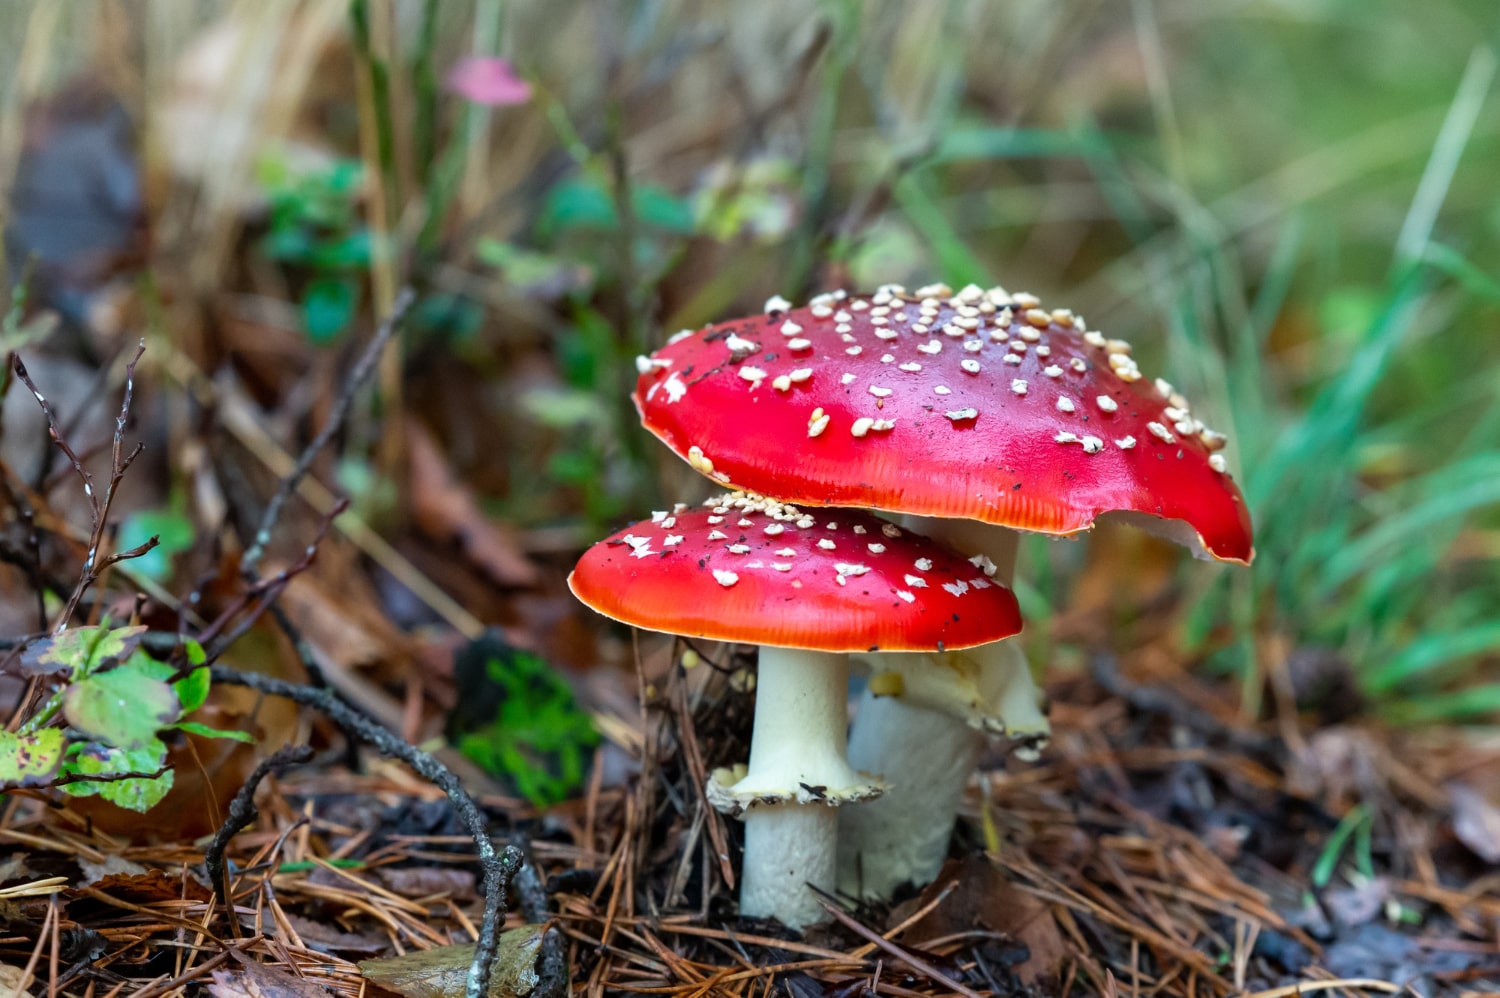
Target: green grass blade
(1442,163)
(1476,703)
(1438,498)
(1430,653)
(956,261)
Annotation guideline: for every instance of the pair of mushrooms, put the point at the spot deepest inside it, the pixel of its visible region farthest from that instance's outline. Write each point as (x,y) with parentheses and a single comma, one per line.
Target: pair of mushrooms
(969,415)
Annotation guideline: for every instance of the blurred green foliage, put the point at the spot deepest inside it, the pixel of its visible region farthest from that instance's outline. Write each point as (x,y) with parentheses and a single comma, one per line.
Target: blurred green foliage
(517,719)
(174,533)
(316,229)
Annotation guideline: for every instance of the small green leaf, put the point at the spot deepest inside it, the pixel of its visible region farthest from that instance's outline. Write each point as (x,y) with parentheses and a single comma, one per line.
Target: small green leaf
(327,308)
(288,244)
(519,720)
(661,209)
(81,650)
(195,653)
(137,794)
(30,760)
(204,731)
(123,707)
(579,203)
(350,252)
(192,689)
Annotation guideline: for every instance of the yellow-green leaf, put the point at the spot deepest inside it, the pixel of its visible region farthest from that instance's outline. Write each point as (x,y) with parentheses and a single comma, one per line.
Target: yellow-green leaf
(442,972)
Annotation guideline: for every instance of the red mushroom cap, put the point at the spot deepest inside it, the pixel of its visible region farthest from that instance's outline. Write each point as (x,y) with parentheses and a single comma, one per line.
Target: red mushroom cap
(751,570)
(979,405)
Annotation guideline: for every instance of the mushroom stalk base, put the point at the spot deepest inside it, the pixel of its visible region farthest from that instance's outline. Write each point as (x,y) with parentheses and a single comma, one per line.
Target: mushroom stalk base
(903,837)
(926,740)
(798,771)
(794,845)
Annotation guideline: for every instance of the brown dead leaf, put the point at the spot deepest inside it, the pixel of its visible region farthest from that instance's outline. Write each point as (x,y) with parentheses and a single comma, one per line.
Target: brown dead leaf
(341,617)
(426,882)
(983,896)
(441,972)
(326,939)
(445,508)
(1476,822)
(111,866)
(255,980)
(147,888)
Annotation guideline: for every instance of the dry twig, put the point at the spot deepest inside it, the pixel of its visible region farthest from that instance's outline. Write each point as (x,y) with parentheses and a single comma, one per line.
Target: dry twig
(93,565)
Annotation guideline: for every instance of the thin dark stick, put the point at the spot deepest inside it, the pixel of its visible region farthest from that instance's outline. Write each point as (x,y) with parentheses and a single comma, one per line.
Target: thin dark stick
(241,813)
(357,378)
(99,506)
(72,424)
(913,961)
(301,646)
(263,592)
(552,967)
(499,868)
(106,777)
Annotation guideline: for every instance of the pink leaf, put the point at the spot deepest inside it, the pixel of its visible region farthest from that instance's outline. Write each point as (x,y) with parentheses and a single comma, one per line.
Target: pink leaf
(488,80)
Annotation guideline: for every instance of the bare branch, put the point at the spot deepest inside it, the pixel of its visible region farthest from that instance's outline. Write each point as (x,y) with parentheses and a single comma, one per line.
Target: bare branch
(134,552)
(108,777)
(56,433)
(357,378)
(263,592)
(242,813)
(99,505)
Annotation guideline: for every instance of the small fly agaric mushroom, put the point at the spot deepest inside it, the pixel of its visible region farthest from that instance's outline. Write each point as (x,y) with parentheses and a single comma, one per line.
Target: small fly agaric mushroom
(955,408)
(808,590)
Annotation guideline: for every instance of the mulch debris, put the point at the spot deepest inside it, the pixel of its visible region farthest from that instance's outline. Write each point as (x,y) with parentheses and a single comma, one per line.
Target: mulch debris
(1156,849)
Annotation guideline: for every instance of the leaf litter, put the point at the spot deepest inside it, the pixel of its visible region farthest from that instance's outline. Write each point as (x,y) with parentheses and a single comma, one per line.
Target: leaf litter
(1137,855)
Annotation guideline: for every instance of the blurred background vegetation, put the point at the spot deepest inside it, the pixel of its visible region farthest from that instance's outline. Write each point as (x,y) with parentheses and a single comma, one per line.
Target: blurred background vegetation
(1290,208)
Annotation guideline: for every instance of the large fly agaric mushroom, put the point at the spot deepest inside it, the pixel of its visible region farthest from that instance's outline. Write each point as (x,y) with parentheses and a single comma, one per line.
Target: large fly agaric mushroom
(954,408)
(808,590)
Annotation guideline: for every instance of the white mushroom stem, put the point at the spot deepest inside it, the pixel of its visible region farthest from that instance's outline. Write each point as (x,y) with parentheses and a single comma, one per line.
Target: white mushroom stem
(794,845)
(903,837)
(798,771)
(925,734)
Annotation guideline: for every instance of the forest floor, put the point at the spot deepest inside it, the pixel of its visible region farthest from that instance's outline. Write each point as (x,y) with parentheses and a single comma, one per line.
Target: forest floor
(1157,848)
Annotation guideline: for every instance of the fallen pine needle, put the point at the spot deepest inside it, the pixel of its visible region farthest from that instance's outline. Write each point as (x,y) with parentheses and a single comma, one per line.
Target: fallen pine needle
(1369,984)
(911,959)
(36,888)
